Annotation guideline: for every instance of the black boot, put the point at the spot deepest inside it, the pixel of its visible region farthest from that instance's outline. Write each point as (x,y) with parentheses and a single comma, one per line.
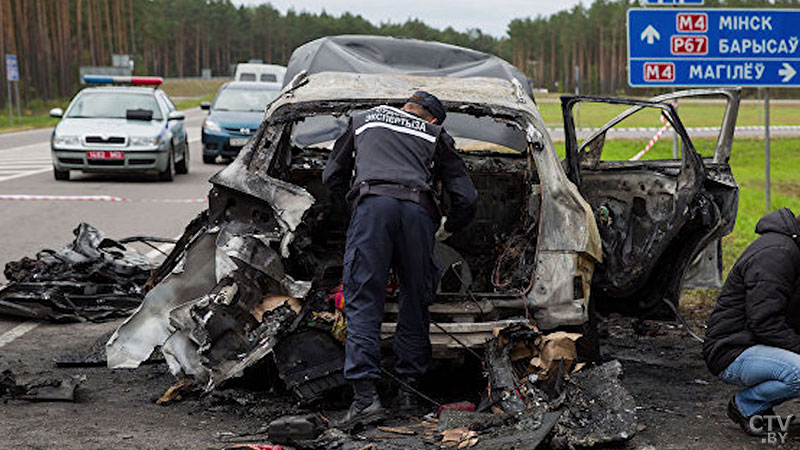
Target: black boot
(756,429)
(366,408)
(407,402)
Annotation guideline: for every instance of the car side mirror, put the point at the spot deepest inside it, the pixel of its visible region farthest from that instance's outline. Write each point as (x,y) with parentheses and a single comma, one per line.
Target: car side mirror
(57,113)
(175,115)
(205,105)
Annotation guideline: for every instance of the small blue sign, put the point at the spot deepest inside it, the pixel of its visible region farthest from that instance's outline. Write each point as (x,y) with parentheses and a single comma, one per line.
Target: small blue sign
(12,69)
(713,47)
(674,2)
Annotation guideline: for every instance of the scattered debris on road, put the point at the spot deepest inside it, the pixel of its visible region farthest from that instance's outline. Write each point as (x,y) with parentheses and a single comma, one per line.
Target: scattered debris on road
(94,278)
(42,390)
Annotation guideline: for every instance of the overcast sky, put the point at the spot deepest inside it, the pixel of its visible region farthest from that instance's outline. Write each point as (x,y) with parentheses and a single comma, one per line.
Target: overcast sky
(490,16)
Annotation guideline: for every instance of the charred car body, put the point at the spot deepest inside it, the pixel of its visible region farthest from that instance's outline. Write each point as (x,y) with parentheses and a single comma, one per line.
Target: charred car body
(548,235)
(273,231)
(256,273)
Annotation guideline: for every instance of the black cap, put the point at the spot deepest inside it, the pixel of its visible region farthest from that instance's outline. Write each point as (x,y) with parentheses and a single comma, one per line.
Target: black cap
(431,103)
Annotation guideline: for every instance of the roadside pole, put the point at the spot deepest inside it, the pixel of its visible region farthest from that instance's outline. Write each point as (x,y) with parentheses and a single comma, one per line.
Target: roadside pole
(675,143)
(577,92)
(766,150)
(8,100)
(12,75)
(19,101)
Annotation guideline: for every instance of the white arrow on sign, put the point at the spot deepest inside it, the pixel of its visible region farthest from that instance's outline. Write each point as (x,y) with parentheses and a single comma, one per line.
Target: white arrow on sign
(650,34)
(787,72)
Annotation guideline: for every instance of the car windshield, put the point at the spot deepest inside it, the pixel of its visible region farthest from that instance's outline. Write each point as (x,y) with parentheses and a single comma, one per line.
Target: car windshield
(244,99)
(91,105)
(484,134)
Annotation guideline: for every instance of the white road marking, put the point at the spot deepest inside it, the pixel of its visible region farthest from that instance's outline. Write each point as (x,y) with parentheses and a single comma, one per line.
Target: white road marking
(10,150)
(20,162)
(18,331)
(25,174)
(24,161)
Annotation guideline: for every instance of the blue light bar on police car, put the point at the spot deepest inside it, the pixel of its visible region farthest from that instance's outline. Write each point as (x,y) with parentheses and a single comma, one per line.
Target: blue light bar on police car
(136,81)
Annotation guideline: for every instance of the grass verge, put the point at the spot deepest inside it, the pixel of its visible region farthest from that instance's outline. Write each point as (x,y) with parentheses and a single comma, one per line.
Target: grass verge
(185,93)
(194,102)
(692,113)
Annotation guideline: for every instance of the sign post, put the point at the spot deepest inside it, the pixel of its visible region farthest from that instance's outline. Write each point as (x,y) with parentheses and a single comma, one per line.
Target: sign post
(12,74)
(715,47)
(767,185)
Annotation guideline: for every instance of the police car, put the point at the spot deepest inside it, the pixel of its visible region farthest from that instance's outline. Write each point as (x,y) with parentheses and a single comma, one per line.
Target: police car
(124,124)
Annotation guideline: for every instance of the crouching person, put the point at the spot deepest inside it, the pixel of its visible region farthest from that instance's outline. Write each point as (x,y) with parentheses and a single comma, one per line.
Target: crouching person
(753,337)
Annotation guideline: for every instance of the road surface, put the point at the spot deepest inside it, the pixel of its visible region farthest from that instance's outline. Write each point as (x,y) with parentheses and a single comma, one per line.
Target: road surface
(680,404)
(154,208)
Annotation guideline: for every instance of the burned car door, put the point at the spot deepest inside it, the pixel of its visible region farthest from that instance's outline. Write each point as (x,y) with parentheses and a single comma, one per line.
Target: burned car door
(655,216)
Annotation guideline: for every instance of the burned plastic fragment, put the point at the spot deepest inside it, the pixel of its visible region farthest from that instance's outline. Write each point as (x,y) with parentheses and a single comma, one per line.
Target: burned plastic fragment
(597,409)
(295,430)
(93,278)
(310,363)
(42,390)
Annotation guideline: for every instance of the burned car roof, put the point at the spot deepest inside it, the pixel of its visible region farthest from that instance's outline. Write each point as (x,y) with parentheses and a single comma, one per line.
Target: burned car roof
(384,54)
(350,87)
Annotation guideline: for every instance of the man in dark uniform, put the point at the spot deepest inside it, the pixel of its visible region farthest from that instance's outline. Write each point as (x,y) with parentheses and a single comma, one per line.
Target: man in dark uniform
(386,164)
(753,337)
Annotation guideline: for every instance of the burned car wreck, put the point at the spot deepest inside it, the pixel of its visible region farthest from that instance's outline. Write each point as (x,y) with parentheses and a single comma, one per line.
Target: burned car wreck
(259,273)
(270,252)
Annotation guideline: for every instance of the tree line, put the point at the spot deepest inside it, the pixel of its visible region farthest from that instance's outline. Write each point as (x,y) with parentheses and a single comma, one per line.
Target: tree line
(179,38)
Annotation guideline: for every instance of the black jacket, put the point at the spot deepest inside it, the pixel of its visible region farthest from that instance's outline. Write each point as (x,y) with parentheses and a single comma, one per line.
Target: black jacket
(759,296)
(448,167)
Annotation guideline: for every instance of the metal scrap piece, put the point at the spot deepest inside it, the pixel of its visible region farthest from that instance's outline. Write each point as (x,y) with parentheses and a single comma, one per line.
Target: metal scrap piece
(597,409)
(43,390)
(93,278)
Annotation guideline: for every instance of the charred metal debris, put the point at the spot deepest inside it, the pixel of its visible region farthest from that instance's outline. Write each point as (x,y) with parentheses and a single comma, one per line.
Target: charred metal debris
(40,390)
(256,277)
(93,278)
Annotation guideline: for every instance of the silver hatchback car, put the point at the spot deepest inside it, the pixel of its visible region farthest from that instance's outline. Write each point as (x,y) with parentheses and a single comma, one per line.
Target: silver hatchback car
(130,128)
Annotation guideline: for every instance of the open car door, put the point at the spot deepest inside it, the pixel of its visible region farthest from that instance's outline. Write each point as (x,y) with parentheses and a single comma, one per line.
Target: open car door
(658,218)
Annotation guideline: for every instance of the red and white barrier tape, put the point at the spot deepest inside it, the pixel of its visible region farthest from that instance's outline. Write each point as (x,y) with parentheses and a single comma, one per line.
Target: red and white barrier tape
(96,198)
(653,140)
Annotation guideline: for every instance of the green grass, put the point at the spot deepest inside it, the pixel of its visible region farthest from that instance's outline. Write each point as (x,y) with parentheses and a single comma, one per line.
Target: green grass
(194,102)
(34,115)
(185,93)
(692,113)
(191,88)
(28,122)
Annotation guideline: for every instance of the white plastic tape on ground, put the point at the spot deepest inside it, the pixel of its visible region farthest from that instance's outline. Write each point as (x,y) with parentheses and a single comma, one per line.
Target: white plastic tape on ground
(653,140)
(96,198)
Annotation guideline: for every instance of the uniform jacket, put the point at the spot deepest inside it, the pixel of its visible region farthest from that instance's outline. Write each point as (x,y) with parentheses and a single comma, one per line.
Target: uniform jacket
(759,302)
(389,146)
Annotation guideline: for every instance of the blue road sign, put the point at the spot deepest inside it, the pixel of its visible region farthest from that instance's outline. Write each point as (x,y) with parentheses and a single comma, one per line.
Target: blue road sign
(713,47)
(674,2)
(12,70)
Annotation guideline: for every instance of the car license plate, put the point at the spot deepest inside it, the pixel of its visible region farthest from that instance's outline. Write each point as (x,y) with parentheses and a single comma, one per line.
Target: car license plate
(239,142)
(105,154)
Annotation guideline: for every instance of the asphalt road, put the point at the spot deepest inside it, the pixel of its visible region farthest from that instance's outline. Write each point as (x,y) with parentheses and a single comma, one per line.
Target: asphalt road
(152,208)
(115,408)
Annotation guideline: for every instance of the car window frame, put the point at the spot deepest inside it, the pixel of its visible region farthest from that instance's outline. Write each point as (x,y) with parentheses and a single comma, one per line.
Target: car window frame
(90,92)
